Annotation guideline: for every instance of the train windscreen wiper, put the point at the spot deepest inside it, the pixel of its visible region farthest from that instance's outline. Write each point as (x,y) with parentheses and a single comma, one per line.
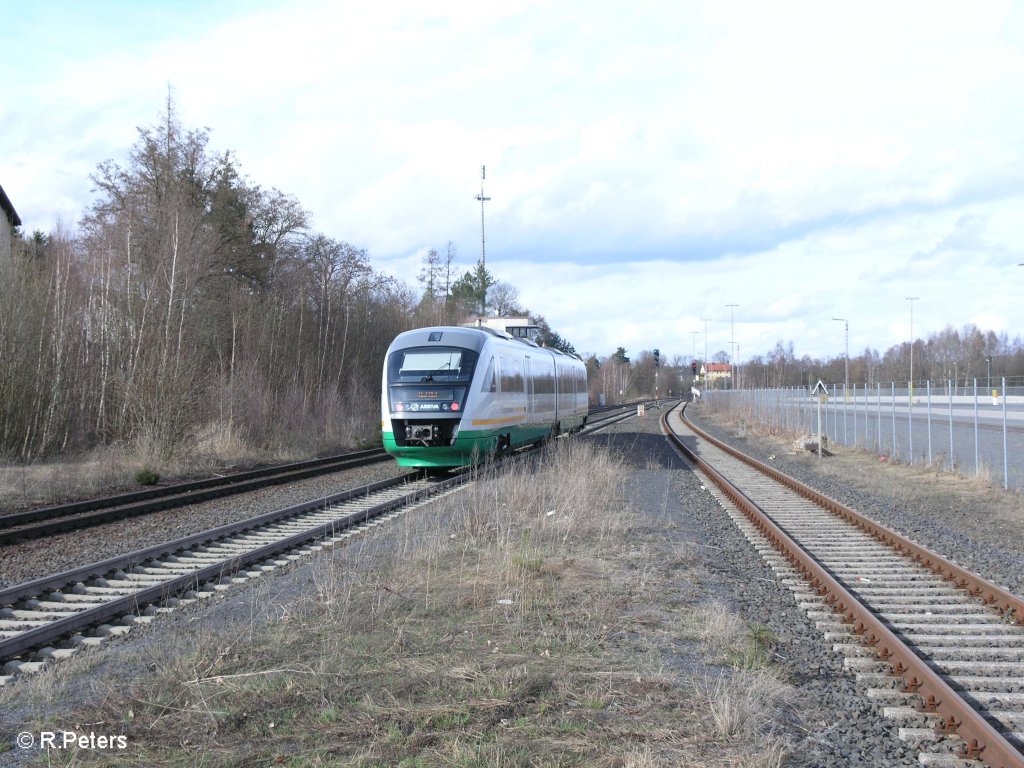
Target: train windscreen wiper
(430,376)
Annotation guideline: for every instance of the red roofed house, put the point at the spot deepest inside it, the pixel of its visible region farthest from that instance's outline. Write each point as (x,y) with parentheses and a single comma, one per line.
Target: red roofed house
(716,371)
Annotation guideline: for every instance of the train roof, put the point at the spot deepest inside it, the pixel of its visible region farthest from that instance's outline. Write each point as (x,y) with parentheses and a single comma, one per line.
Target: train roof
(470,337)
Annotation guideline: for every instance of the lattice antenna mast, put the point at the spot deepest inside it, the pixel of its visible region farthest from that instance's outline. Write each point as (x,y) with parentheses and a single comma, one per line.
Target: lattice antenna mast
(483,243)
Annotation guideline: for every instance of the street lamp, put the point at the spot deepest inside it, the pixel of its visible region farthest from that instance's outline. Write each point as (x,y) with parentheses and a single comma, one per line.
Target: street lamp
(705,381)
(732,341)
(912,299)
(483,252)
(846,361)
(693,358)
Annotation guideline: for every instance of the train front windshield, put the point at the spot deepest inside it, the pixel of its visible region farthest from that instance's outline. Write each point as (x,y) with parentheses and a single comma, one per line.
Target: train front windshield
(430,379)
(421,365)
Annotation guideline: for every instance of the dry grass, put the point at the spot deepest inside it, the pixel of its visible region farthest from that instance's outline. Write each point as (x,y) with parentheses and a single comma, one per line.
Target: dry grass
(538,622)
(112,469)
(729,639)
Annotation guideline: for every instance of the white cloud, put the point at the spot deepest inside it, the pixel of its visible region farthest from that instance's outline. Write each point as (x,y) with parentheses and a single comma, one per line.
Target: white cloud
(645,167)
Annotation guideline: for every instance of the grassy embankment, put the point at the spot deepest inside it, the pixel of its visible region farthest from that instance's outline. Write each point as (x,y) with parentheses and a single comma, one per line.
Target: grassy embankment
(540,621)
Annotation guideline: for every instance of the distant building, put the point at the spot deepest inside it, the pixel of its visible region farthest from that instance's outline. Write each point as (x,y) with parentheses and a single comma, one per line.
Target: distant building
(520,327)
(11,221)
(713,372)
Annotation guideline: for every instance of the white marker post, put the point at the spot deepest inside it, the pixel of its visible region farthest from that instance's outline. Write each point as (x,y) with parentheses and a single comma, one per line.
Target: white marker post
(822,392)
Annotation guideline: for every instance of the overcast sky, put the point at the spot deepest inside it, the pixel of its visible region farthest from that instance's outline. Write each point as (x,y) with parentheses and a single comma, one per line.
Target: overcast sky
(648,163)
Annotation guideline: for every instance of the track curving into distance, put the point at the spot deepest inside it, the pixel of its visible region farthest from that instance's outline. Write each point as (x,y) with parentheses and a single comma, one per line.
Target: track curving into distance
(943,644)
(53,609)
(65,609)
(37,523)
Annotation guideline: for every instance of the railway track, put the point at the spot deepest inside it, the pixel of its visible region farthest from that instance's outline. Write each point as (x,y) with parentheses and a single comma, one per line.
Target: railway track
(51,617)
(38,523)
(605,416)
(942,648)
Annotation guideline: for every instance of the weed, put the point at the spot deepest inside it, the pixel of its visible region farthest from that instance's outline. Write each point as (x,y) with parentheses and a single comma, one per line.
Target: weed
(449,721)
(147,477)
(329,715)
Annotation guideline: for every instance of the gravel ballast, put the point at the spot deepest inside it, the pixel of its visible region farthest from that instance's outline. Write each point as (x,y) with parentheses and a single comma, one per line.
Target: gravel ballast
(975,524)
(34,559)
(840,726)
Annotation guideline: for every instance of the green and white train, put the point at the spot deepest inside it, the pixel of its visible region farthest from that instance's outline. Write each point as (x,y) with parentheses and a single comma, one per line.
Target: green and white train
(453,396)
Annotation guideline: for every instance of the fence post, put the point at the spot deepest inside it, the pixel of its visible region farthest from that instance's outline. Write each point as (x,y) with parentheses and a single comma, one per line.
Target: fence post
(825,408)
(977,464)
(878,413)
(1006,460)
(928,388)
(910,420)
(895,453)
(855,413)
(949,390)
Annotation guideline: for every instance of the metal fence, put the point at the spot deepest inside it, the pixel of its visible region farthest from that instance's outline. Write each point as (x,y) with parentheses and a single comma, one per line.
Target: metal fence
(968,430)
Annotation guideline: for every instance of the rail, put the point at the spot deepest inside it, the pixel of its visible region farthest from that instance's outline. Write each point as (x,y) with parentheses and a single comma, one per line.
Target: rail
(982,741)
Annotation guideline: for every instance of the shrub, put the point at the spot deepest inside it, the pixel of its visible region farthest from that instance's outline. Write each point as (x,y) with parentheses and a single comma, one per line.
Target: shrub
(147,477)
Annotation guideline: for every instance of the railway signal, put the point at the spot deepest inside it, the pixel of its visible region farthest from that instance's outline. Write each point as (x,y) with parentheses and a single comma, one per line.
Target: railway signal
(657,363)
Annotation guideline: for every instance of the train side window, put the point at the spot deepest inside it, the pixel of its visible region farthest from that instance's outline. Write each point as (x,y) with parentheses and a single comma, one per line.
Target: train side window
(512,375)
(489,383)
(545,377)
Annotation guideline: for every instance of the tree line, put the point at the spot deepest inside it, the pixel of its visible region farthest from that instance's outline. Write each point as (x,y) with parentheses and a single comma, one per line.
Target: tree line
(958,356)
(193,310)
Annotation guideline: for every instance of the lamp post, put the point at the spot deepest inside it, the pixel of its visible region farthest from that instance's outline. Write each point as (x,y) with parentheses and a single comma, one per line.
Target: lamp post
(912,299)
(705,381)
(693,358)
(483,252)
(846,359)
(732,341)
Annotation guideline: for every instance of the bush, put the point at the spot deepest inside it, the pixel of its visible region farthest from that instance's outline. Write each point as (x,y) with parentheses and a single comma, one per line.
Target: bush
(147,477)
